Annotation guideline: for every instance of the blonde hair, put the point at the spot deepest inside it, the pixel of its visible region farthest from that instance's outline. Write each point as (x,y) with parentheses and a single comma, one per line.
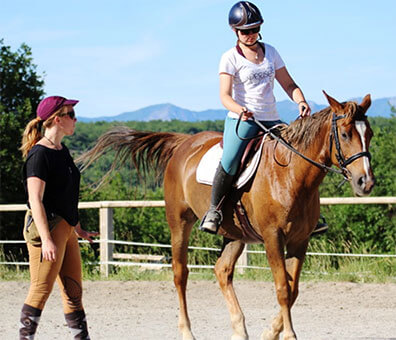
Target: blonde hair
(34,131)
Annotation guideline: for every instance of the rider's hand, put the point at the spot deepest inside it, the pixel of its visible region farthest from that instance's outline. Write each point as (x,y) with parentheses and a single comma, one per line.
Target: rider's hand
(304,109)
(246,114)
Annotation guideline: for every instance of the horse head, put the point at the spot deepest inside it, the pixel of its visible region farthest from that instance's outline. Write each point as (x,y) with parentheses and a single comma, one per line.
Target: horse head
(350,140)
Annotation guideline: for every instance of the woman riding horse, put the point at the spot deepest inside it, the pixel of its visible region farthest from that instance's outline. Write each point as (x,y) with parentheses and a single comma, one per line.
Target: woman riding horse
(247,72)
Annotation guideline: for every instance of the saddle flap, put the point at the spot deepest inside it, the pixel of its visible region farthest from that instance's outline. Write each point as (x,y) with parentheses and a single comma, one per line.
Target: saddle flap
(207,166)
(248,153)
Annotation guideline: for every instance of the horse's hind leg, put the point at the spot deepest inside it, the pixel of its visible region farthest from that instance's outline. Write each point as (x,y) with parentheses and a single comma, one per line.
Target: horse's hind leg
(181,223)
(224,271)
(294,261)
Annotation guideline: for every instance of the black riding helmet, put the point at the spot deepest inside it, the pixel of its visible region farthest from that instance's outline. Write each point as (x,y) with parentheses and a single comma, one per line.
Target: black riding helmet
(244,15)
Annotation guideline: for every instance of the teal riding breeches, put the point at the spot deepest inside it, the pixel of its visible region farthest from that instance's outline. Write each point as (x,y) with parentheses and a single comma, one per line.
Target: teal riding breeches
(233,146)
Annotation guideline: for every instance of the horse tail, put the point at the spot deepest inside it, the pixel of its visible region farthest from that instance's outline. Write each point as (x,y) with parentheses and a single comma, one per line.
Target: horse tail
(144,149)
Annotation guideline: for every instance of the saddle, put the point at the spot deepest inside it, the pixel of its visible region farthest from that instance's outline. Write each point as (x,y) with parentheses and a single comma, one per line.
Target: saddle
(207,166)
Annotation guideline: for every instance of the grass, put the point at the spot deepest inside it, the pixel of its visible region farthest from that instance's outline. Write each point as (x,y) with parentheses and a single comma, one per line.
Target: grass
(316,268)
(13,272)
(347,268)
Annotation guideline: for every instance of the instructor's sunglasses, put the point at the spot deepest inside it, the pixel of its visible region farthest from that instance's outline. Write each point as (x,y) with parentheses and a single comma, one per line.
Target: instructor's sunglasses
(71,114)
(250,31)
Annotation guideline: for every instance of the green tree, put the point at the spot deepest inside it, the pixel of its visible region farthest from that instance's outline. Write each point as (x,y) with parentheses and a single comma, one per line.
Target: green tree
(20,91)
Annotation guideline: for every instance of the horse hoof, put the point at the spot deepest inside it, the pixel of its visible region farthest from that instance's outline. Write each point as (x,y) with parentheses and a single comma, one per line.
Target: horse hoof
(239,337)
(268,335)
(292,337)
(188,337)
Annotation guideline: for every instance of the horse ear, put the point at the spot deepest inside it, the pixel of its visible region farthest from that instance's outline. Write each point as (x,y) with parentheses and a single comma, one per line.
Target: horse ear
(335,105)
(366,102)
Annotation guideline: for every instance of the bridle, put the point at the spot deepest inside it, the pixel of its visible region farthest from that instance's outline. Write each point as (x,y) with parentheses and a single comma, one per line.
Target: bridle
(342,162)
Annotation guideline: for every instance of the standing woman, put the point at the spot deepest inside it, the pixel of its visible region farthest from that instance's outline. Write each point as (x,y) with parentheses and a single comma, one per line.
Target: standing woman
(52,183)
(247,73)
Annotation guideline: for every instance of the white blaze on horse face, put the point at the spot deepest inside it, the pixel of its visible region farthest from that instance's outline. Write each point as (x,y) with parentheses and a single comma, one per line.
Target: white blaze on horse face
(361,128)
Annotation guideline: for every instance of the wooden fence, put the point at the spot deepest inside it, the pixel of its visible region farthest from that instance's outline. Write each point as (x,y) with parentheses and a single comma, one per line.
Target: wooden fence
(106,227)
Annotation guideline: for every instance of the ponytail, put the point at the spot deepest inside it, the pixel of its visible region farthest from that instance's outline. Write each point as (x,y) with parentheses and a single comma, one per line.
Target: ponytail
(31,135)
(33,131)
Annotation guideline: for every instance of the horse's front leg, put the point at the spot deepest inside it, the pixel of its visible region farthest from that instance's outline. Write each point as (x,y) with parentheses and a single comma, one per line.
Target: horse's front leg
(294,262)
(224,270)
(274,244)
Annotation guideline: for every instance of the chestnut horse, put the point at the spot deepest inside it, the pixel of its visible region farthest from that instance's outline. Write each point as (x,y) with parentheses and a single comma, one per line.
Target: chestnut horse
(281,201)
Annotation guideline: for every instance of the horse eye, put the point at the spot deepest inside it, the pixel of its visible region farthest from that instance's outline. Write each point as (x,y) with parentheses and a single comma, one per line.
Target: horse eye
(344,135)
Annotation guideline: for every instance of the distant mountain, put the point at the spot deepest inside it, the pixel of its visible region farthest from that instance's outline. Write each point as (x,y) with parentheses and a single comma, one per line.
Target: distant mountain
(286,108)
(161,112)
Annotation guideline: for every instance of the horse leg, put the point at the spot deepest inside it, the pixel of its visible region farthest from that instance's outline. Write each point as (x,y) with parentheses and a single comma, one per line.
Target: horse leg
(224,270)
(181,226)
(274,243)
(294,262)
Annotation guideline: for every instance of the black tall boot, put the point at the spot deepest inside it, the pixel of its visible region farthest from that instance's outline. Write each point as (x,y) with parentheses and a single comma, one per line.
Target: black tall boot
(30,318)
(78,325)
(221,186)
(321,227)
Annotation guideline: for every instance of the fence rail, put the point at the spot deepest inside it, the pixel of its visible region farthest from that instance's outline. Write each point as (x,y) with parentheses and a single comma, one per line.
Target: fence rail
(106,229)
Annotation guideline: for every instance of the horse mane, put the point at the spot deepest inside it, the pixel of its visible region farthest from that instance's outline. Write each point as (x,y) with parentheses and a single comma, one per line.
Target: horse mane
(302,132)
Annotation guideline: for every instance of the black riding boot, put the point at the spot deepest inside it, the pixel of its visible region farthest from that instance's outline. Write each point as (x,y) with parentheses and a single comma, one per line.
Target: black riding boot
(321,227)
(30,318)
(77,324)
(221,185)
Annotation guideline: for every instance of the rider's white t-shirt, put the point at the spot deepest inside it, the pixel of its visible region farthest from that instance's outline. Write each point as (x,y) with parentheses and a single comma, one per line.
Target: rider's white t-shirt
(253,84)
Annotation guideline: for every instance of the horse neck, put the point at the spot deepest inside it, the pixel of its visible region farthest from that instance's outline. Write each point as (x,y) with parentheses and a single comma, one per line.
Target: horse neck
(310,175)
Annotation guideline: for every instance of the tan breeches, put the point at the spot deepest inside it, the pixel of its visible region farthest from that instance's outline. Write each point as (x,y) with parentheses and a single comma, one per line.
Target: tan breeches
(66,271)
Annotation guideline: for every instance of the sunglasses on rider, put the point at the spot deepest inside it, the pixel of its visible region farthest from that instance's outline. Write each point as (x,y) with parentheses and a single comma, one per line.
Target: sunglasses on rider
(71,114)
(250,31)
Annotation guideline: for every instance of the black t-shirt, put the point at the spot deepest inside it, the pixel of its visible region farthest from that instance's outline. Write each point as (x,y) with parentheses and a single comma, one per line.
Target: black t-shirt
(57,169)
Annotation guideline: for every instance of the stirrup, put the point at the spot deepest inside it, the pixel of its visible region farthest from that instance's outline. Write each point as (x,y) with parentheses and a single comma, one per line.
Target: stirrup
(211,221)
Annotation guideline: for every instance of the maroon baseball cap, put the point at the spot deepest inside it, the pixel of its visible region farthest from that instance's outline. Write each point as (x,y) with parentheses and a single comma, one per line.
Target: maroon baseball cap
(48,106)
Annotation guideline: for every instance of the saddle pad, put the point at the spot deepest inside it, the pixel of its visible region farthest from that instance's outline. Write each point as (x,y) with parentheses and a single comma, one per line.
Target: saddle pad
(210,160)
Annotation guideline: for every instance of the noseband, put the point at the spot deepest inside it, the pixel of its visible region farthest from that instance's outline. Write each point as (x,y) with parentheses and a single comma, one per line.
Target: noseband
(342,162)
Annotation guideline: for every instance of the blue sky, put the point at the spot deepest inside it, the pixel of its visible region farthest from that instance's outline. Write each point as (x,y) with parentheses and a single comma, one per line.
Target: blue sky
(117,56)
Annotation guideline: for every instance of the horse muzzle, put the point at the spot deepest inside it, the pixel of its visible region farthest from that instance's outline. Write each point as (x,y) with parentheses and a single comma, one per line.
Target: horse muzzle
(363,185)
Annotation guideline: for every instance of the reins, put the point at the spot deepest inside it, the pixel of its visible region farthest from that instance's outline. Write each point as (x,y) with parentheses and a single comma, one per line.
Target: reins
(334,131)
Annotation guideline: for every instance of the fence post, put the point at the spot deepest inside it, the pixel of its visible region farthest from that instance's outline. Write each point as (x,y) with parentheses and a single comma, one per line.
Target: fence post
(106,233)
(243,260)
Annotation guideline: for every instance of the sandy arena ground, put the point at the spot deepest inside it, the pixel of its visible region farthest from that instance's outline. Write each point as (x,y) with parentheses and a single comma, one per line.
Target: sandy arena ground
(149,310)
